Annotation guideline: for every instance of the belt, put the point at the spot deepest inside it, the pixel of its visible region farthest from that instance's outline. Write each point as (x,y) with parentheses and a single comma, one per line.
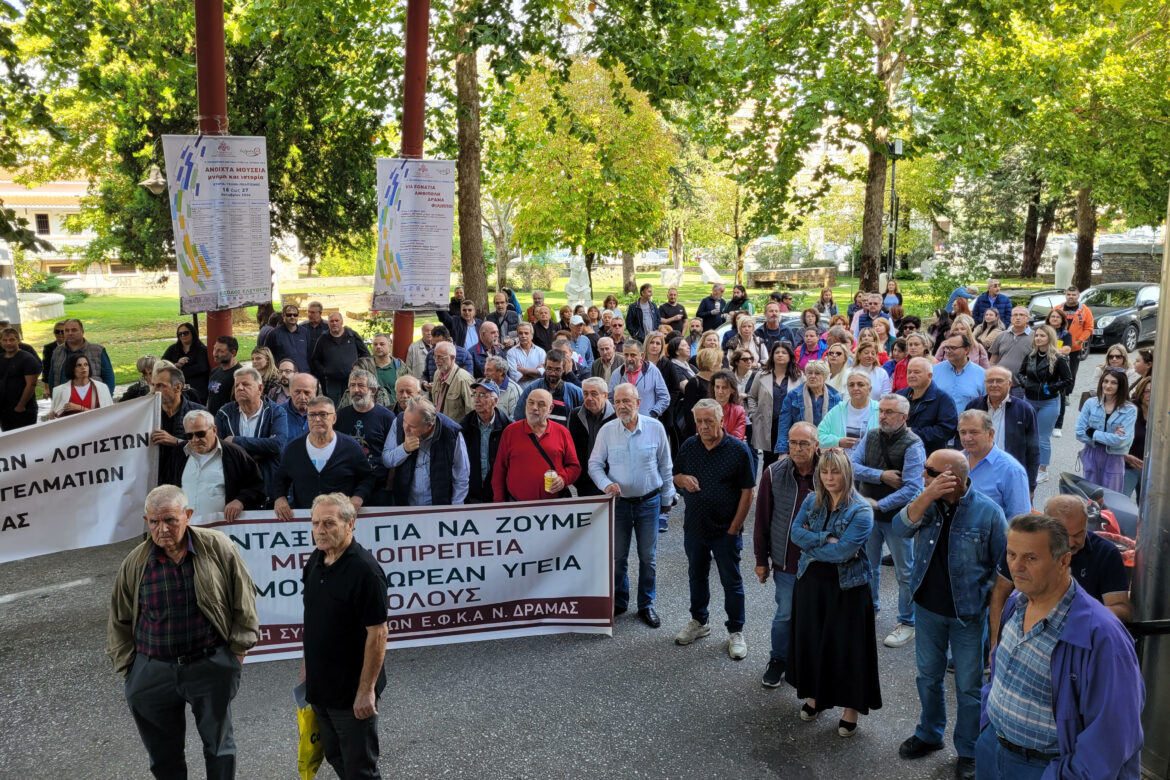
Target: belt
(190,658)
(1028,754)
(639,499)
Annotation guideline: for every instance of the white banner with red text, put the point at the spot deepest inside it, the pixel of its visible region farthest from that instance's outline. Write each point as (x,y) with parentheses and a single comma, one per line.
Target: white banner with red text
(454,574)
(78,481)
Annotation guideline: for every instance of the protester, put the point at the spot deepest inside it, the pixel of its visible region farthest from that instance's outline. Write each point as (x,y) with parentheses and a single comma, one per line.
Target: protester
(887,464)
(427,451)
(538,301)
(419,351)
(463,358)
(458,296)
(672,313)
(1106,427)
(584,425)
(100,368)
(463,324)
(482,429)
(606,359)
(988,330)
(645,376)
(487,346)
(643,316)
(1045,376)
(290,340)
(505,320)
(883,335)
(219,478)
(1013,421)
(976,353)
(222,378)
(189,355)
(525,360)
(865,317)
(967,293)
(897,355)
(303,388)
(765,398)
(892,296)
(867,360)
(932,413)
(268,319)
(959,536)
(1066,694)
(1012,346)
(315,325)
(810,346)
(917,346)
(711,309)
(451,389)
(773,330)
(18,383)
(582,344)
(369,424)
(565,397)
(994,299)
(992,471)
(79,394)
(270,379)
(809,402)
(345,639)
(285,371)
(1116,358)
(847,423)
(707,362)
(47,354)
(713,471)
(256,424)
(543,466)
(631,460)
(544,331)
(838,358)
(958,376)
(182,617)
(617,332)
(1135,458)
(832,656)
(825,303)
(320,462)
(1080,327)
(726,393)
(743,367)
(334,355)
(387,367)
(496,370)
(783,487)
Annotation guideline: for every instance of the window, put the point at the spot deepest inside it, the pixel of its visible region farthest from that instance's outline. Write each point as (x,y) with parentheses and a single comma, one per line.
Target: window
(1149,295)
(42,224)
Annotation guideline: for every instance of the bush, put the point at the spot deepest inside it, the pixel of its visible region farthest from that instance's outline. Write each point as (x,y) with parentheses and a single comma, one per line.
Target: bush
(74,296)
(536,273)
(905,275)
(784,255)
(350,259)
(382,322)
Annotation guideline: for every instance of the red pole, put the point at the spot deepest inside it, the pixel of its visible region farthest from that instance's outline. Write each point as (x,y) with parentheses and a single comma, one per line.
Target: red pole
(211,86)
(418,13)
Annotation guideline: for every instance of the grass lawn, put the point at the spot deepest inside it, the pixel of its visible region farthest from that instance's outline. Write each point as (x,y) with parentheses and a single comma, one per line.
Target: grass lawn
(130,327)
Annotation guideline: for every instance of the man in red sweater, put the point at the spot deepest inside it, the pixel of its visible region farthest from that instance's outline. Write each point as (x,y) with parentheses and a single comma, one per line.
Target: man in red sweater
(529,448)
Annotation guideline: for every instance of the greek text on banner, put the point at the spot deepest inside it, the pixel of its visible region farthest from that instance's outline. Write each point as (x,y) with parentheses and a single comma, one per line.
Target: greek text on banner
(454,574)
(79,481)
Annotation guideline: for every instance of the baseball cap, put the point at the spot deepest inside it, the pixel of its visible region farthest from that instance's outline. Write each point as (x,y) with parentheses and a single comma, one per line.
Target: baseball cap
(576,319)
(488,385)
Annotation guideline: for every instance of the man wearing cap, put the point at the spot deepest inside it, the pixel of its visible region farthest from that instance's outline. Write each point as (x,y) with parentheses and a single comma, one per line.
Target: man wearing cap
(482,429)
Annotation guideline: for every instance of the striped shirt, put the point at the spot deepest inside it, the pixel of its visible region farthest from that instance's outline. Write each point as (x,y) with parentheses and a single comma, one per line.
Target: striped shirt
(1019,705)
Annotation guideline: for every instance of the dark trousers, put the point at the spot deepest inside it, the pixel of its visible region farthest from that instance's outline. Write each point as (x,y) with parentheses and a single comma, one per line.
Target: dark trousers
(1074,363)
(158,691)
(11,420)
(725,549)
(350,744)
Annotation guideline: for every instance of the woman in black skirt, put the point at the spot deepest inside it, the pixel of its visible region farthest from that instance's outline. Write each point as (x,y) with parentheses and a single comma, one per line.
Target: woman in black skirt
(832,651)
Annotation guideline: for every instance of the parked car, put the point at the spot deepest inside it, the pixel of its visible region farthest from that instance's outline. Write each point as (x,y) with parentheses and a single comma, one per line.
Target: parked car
(1124,313)
(1039,302)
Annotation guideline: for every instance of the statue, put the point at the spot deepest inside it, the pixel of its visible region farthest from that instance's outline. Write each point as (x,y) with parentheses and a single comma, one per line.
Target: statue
(577,289)
(710,275)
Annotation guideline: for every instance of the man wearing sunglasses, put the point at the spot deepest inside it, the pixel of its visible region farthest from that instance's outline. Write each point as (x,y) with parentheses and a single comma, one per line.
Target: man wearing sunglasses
(290,341)
(219,476)
(47,353)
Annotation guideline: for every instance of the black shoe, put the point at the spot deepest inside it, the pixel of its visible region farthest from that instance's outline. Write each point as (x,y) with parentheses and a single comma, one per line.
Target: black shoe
(916,748)
(887,560)
(846,729)
(619,611)
(649,617)
(774,674)
(965,768)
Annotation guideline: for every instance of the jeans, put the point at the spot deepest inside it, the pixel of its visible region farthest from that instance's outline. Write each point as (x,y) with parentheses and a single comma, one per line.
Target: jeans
(782,620)
(993,762)
(350,744)
(1046,412)
(903,552)
(1133,483)
(725,549)
(158,692)
(641,520)
(933,634)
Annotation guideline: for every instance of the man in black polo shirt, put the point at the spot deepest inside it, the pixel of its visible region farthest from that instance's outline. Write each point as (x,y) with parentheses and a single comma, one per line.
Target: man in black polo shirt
(714,472)
(1096,564)
(345,639)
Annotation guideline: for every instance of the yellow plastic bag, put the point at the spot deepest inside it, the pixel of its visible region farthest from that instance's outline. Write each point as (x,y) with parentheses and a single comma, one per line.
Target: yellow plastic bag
(310,753)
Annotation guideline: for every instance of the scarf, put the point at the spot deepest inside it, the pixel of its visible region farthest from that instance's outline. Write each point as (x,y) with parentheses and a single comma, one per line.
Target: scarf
(808,403)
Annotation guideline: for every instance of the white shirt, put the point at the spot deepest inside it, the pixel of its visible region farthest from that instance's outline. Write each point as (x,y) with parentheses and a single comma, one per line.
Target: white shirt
(856,420)
(517,359)
(638,460)
(997,421)
(248,424)
(203,483)
(320,455)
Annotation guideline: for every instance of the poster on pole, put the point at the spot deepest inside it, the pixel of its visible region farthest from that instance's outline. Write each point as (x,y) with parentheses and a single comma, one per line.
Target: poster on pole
(454,574)
(218,193)
(416,228)
(78,481)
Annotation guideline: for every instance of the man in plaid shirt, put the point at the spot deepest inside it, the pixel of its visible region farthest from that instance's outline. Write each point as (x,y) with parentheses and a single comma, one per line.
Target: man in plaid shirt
(182,616)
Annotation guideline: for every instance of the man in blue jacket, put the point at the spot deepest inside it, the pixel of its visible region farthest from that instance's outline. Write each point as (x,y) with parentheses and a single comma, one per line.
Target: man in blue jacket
(254,423)
(960,536)
(1012,418)
(993,298)
(1066,694)
(932,413)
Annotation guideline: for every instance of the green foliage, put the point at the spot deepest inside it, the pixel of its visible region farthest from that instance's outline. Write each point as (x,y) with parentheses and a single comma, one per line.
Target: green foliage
(356,258)
(371,326)
(536,273)
(938,289)
(28,277)
(906,275)
(781,255)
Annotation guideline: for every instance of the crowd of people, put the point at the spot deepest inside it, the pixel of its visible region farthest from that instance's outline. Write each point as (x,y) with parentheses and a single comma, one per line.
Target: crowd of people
(868,430)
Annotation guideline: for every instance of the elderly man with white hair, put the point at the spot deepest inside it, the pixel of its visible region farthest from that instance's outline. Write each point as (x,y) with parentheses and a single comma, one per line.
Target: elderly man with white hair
(254,423)
(429,457)
(219,478)
(602,368)
(932,413)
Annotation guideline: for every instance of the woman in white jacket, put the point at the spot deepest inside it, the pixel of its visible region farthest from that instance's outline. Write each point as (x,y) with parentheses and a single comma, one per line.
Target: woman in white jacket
(79,394)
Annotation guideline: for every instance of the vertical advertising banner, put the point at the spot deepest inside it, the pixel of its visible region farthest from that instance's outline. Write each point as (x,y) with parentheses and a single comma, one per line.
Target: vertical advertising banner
(454,574)
(416,228)
(218,193)
(79,481)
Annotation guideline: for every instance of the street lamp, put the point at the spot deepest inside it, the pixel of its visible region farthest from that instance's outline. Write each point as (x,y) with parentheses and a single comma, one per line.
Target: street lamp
(894,148)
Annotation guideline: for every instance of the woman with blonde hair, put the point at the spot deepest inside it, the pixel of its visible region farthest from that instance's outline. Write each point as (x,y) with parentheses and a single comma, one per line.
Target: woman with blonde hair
(709,340)
(839,358)
(868,359)
(1044,375)
(745,338)
(917,345)
(265,363)
(964,324)
(832,655)
(1116,358)
(885,336)
(707,361)
(145,367)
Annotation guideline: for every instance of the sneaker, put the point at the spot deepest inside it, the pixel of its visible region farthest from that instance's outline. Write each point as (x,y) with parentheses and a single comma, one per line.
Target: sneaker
(899,636)
(691,631)
(736,646)
(1056,432)
(1041,477)
(774,674)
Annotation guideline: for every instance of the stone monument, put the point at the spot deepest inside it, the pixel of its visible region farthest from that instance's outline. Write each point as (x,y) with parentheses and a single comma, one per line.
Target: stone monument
(710,275)
(577,289)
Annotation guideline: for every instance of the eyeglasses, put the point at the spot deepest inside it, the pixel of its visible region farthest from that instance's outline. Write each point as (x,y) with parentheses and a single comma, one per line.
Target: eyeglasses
(483,395)
(909,328)
(289,314)
(745,360)
(319,415)
(1117,357)
(58,333)
(199,434)
(932,473)
(800,445)
(184,334)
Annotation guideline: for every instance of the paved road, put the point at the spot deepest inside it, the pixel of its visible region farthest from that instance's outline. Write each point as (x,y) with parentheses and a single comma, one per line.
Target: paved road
(634,705)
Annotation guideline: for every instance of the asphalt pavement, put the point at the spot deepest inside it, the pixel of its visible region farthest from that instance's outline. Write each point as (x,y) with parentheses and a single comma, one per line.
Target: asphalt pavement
(634,705)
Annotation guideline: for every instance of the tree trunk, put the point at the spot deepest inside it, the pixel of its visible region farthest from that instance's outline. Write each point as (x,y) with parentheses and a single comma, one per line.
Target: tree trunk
(676,247)
(629,275)
(871,220)
(468,169)
(739,249)
(1031,223)
(1086,231)
(1047,222)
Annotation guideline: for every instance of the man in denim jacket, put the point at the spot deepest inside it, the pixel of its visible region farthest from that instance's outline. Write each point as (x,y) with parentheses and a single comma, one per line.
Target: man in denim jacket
(961,535)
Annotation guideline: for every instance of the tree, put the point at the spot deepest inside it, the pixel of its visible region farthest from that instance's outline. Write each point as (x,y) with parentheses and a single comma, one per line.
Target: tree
(727,213)
(594,170)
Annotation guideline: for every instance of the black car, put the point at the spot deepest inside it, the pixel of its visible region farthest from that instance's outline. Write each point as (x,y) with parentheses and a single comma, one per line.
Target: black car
(1124,313)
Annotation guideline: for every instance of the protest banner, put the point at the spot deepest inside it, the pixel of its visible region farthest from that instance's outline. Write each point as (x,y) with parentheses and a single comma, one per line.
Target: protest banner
(416,227)
(455,574)
(218,193)
(79,481)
